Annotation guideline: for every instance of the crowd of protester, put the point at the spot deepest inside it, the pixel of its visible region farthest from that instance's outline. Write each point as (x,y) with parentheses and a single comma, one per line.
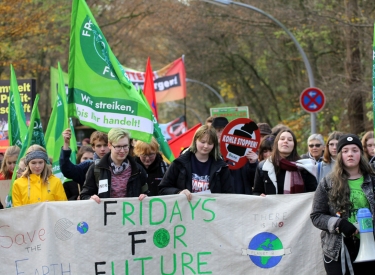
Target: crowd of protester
(340,171)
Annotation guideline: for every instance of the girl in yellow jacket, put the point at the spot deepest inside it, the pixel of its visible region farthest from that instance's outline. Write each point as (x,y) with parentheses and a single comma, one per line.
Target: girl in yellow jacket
(37,183)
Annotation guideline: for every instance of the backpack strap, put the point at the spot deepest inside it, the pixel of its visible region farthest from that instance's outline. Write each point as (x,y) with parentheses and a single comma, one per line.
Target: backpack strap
(96,171)
(163,167)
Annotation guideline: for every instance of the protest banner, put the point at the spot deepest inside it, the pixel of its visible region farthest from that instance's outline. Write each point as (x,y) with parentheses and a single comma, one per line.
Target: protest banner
(169,82)
(4,190)
(27,91)
(231,113)
(212,234)
(100,93)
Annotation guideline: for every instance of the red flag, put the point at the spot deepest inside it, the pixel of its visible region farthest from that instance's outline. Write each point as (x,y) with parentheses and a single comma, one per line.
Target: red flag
(149,89)
(183,141)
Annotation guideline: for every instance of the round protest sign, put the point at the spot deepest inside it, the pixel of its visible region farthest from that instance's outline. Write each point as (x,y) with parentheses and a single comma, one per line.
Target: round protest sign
(238,137)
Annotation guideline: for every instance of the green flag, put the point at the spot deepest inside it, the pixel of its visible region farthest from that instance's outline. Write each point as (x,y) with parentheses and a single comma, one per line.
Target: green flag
(100,93)
(57,123)
(373,77)
(158,135)
(33,136)
(17,127)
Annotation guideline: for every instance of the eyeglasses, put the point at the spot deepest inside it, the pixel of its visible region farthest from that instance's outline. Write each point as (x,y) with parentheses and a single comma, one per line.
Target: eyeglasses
(316,145)
(149,155)
(118,148)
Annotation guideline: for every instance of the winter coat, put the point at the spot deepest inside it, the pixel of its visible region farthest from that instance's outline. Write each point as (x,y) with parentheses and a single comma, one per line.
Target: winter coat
(265,179)
(324,217)
(155,173)
(179,176)
(134,187)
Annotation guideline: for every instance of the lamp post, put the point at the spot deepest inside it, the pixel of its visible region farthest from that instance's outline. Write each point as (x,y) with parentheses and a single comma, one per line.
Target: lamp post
(304,57)
(208,87)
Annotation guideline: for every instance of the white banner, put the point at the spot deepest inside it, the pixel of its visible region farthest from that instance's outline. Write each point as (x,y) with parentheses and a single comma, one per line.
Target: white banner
(213,234)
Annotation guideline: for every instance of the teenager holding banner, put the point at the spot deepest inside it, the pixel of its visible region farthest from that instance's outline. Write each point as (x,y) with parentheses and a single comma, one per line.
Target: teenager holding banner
(199,168)
(77,173)
(284,172)
(116,175)
(37,183)
(9,162)
(337,199)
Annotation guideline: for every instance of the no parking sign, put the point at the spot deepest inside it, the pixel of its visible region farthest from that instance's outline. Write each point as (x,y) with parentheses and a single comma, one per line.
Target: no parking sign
(238,137)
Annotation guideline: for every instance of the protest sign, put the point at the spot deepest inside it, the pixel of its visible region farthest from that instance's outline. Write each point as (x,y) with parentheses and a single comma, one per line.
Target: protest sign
(238,137)
(212,234)
(230,113)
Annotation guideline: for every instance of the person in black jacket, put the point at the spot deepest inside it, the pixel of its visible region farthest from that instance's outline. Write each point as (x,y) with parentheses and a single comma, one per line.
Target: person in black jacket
(284,172)
(199,168)
(243,178)
(149,157)
(116,175)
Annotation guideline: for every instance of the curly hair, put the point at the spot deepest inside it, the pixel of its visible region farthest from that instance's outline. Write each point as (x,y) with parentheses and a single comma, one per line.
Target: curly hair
(339,196)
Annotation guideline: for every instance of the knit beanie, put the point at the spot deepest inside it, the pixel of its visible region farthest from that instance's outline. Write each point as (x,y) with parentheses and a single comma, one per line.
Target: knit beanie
(220,122)
(348,139)
(264,128)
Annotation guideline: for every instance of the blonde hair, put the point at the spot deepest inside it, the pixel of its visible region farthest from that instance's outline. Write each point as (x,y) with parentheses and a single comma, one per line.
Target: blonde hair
(11,151)
(144,148)
(212,138)
(47,170)
(115,134)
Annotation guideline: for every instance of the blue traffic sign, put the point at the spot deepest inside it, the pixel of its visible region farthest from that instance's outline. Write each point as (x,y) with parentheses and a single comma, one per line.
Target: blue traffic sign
(312,100)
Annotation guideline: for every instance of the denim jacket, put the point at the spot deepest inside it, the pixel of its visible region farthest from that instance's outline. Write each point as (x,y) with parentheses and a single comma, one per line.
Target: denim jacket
(324,217)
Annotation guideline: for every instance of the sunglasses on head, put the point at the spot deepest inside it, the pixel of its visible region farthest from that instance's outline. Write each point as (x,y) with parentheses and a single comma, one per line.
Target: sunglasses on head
(316,145)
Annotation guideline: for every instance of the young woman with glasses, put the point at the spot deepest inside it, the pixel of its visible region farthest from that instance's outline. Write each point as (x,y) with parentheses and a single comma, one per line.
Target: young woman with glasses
(149,157)
(116,175)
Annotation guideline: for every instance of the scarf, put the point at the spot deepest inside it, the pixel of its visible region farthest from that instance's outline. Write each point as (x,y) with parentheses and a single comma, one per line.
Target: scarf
(293,182)
(118,169)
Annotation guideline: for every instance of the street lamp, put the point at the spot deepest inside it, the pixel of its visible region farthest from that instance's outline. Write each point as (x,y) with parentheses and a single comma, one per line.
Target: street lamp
(304,57)
(208,87)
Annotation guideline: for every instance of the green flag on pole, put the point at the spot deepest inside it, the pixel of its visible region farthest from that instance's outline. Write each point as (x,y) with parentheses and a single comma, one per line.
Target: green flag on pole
(100,93)
(17,127)
(33,136)
(373,77)
(158,135)
(57,123)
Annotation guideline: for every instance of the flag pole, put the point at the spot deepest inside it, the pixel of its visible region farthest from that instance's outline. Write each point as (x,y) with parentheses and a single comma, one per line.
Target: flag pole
(183,60)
